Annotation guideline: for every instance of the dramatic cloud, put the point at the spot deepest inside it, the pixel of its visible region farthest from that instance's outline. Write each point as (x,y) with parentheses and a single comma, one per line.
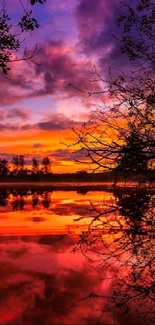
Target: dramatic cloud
(69,155)
(61,73)
(61,69)
(20,113)
(98,32)
(8,126)
(55,122)
(17,85)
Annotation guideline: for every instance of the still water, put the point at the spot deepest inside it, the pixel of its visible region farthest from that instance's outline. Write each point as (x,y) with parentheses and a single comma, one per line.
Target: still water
(76,257)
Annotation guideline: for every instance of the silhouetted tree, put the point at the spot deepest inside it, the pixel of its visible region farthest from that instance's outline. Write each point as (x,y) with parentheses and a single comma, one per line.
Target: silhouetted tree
(4,167)
(133,157)
(21,162)
(46,165)
(15,162)
(119,240)
(35,166)
(10,40)
(131,113)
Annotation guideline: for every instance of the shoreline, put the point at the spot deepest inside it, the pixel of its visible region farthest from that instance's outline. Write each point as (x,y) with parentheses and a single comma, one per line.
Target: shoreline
(95,186)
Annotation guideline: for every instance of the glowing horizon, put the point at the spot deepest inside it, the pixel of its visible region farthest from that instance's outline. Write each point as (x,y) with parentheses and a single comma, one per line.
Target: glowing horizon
(38,108)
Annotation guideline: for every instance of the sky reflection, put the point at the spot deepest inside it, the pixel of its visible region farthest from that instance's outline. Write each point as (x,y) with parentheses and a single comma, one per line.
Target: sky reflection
(53,271)
(53,213)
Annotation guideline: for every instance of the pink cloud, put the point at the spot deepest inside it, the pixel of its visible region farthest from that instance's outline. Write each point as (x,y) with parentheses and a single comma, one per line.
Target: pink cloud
(1,115)
(21,113)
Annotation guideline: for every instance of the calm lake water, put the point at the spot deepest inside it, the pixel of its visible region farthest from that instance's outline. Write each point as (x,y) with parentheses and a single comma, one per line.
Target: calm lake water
(77,257)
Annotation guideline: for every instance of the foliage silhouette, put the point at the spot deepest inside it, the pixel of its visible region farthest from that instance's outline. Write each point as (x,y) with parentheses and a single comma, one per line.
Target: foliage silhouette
(120,135)
(10,40)
(46,165)
(35,166)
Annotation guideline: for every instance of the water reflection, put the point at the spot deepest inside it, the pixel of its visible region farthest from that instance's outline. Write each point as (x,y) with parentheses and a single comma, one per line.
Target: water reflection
(137,206)
(126,253)
(35,200)
(76,258)
(16,197)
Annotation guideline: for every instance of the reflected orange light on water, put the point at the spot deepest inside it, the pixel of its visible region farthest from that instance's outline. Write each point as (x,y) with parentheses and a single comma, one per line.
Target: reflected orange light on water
(49,260)
(59,218)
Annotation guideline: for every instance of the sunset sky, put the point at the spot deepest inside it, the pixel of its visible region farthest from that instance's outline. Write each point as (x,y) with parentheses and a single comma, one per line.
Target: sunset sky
(37,107)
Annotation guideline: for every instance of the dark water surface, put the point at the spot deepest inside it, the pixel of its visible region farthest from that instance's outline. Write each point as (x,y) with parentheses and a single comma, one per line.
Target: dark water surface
(77,257)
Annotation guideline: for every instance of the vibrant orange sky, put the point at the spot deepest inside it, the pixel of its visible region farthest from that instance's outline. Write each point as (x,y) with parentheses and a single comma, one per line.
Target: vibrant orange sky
(37,107)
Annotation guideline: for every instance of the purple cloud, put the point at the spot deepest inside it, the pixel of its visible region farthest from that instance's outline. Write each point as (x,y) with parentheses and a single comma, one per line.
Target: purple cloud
(15,87)
(61,67)
(8,126)
(20,113)
(55,122)
(99,34)
(71,155)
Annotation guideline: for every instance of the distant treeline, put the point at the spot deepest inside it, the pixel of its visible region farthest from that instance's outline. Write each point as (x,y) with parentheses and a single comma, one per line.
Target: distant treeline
(18,167)
(18,171)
